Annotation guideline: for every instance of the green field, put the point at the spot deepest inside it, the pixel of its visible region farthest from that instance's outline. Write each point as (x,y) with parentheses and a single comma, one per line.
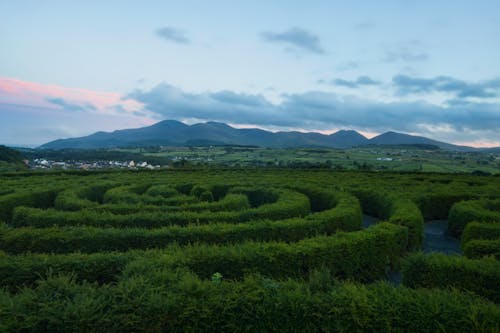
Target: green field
(247,250)
(411,158)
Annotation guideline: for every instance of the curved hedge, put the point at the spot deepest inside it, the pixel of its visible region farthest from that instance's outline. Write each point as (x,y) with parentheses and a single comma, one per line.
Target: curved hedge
(364,255)
(40,198)
(474,210)
(399,211)
(441,271)
(344,215)
(479,248)
(289,204)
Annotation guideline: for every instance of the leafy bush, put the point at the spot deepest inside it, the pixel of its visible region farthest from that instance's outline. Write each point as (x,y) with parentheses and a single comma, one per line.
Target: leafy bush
(479,230)
(475,210)
(180,302)
(481,248)
(441,271)
(41,199)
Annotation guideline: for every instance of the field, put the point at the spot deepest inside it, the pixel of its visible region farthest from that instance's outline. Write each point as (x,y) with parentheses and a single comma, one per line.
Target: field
(247,250)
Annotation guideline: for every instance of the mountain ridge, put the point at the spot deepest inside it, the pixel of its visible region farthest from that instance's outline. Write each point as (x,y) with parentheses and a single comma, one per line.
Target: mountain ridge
(176,133)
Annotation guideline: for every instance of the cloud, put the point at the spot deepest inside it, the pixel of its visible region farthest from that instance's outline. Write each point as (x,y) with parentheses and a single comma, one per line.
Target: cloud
(173,35)
(14,91)
(360,81)
(70,106)
(317,110)
(409,51)
(461,89)
(348,66)
(295,37)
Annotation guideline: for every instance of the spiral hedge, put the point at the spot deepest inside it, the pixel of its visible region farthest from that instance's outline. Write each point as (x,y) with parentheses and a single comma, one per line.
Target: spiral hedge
(244,250)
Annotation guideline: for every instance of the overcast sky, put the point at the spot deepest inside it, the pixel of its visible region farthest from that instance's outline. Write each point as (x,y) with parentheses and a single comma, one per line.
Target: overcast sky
(71,68)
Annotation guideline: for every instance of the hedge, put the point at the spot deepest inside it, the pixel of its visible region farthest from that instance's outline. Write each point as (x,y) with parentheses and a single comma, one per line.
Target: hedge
(479,230)
(180,302)
(40,199)
(364,255)
(474,210)
(289,204)
(441,271)
(231,202)
(437,205)
(480,248)
(345,216)
(399,211)
(82,197)
(24,270)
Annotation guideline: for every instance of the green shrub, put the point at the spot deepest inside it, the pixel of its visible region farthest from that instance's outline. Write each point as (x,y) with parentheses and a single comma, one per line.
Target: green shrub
(441,271)
(69,200)
(399,211)
(437,205)
(481,248)
(40,199)
(345,216)
(361,255)
(478,230)
(164,191)
(179,302)
(207,196)
(475,210)
(24,270)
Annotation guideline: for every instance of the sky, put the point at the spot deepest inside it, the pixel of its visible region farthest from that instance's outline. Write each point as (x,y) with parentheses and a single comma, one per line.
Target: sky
(430,68)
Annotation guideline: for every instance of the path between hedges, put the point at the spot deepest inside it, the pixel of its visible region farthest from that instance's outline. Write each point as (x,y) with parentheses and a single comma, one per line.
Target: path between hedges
(436,239)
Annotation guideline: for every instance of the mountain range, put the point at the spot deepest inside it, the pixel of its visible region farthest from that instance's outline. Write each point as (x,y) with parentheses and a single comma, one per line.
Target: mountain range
(176,133)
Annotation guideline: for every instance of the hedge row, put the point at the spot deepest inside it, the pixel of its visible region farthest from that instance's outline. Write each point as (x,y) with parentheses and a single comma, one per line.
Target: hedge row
(441,271)
(480,248)
(474,210)
(24,270)
(480,230)
(290,204)
(231,202)
(364,256)
(40,199)
(398,211)
(180,302)
(437,205)
(345,215)
(81,198)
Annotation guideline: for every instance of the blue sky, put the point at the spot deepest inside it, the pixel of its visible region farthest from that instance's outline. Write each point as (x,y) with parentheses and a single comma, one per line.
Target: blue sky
(70,68)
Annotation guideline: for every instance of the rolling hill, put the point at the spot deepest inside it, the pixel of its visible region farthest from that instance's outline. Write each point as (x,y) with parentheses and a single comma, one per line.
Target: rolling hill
(176,133)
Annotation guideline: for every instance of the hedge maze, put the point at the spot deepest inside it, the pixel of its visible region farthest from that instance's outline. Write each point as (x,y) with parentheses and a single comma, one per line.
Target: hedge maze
(246,251)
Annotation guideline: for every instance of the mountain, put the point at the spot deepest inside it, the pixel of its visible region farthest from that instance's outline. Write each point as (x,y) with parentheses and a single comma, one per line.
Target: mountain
(176,133)
(394,138)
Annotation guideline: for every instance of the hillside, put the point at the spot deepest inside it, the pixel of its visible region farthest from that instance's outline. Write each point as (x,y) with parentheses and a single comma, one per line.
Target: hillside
(175,133)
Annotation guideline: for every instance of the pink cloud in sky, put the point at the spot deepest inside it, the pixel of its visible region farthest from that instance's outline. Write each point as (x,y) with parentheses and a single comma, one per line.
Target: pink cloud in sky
(14,91)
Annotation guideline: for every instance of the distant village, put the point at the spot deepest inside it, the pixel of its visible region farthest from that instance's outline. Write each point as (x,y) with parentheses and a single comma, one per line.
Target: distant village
(40,163)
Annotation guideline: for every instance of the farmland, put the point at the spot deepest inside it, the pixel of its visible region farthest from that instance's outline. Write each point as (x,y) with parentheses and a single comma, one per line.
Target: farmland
(407,158)
(246,250)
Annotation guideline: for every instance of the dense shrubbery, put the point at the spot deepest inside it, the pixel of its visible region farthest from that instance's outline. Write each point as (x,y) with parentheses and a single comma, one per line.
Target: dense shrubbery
(438,205)
(480,248)
(479,230)
(398,211)
(180,302)
(40,198)
(440,271)
(475,210)
(242,250)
